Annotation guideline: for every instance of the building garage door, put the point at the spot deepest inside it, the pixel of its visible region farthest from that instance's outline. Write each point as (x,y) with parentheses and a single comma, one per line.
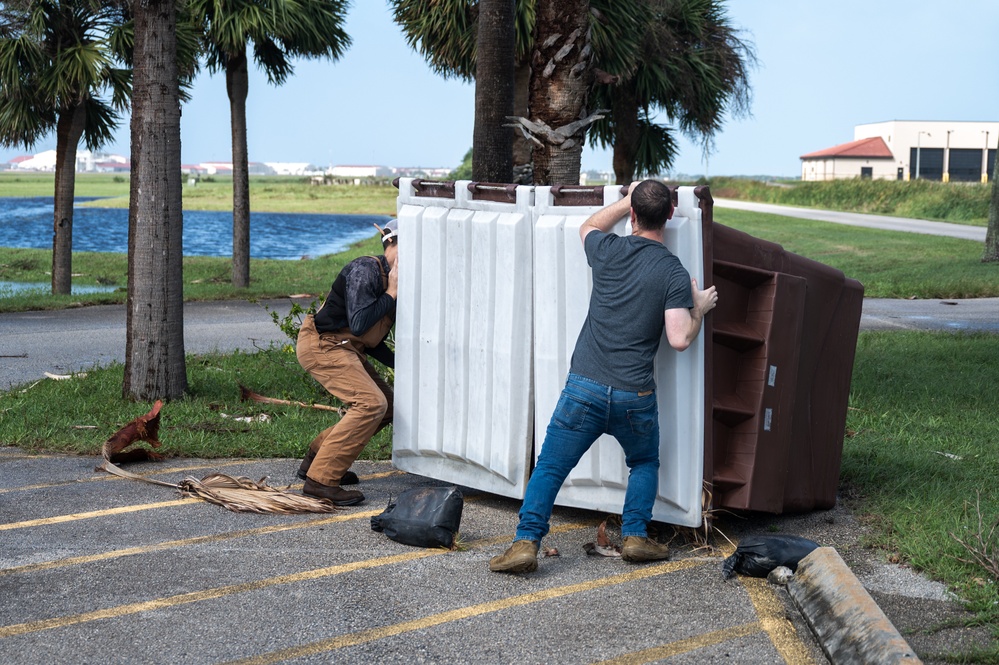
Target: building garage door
(965,165)
(930,163)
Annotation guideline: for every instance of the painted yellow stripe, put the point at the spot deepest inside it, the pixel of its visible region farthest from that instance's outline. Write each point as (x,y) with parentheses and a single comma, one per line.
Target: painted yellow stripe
(59,519)
(107,477)
(685,646)
(353,639)
(219,592)
(171,544)
(774,622)
(199,540)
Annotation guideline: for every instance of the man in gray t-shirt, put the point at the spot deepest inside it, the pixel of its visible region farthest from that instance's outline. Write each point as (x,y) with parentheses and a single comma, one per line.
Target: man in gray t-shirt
(640,290)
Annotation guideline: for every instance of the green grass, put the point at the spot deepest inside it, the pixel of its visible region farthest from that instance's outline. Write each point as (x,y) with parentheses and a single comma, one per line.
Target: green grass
(889,264)
(78,415)
(921,450)
(961,203)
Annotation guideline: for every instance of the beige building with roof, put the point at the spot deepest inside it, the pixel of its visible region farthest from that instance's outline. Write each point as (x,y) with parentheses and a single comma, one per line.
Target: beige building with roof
(906,149)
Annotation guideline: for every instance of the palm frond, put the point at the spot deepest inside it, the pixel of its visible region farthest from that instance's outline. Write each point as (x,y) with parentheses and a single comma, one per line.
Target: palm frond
(239,494)
(242,495)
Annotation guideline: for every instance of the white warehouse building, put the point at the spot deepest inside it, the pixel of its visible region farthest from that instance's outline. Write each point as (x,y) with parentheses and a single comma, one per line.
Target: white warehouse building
(909,149)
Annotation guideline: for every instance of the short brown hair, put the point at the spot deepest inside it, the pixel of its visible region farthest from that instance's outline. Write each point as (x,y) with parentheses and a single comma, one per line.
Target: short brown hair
(652,202)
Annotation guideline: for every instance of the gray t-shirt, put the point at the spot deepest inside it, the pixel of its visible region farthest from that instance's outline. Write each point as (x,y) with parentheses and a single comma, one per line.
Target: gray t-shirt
(635,280)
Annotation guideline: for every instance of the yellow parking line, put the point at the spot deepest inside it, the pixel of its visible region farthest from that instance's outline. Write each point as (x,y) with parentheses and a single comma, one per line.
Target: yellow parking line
(219,592)
(58,519)
(361,637)
(170,544)
(198,540)
(106,477)
(774,622)
(685,646)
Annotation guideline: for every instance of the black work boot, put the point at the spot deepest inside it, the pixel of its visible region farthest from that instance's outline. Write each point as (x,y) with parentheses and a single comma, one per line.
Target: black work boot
(349,478)
(334,493)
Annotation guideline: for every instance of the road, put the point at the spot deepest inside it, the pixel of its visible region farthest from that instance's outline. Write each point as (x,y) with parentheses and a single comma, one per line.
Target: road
(859,219)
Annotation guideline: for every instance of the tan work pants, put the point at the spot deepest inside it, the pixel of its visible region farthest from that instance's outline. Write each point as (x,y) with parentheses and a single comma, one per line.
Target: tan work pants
(338,362)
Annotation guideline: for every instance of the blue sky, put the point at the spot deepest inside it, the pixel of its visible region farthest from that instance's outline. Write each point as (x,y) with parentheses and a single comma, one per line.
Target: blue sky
(825,66)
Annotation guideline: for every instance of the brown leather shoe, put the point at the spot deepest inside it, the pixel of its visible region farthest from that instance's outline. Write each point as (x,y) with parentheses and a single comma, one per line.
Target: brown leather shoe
(349,478)
(336,494)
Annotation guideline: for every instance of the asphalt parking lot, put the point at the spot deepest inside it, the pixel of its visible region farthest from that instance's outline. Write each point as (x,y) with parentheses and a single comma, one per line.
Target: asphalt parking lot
(96,569)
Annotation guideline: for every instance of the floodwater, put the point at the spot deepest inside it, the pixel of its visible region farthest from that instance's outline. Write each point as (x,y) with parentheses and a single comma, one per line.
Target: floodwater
(27,223)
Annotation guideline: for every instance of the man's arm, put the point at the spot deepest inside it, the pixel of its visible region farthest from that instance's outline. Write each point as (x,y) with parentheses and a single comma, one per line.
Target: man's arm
(683,325)
(605,218)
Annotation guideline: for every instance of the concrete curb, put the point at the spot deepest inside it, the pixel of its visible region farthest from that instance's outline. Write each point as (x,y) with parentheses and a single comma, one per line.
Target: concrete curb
(845,619)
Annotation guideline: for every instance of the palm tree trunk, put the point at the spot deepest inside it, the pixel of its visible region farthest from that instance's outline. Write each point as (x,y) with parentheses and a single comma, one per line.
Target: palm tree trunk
(521,145)
(69,129)
(492,141)
(992,233)
(562,72)
(237,85)
(154,346)
(625,113)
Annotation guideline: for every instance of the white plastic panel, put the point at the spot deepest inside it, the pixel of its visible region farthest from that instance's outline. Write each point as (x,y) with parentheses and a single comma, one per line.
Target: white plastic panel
(562,287)
(463,403)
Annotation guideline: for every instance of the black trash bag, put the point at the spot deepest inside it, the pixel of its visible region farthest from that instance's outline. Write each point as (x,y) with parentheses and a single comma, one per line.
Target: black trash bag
(756,556)
(422,517)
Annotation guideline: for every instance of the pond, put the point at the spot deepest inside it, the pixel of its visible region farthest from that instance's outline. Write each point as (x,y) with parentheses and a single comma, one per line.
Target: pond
(27,223)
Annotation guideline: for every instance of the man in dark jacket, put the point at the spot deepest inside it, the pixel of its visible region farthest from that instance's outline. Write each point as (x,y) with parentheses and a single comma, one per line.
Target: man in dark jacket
(333,346)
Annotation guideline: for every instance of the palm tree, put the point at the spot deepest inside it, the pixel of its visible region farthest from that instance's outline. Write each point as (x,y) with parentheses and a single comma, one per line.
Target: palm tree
(694,69)
(445,33)
(279,30)
(154,346)
(56,60)
(697,87)
(991,253)
(492,140)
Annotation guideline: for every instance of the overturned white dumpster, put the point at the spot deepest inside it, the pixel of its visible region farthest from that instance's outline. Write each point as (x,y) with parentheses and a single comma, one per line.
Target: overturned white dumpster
(463,407)
(494,287)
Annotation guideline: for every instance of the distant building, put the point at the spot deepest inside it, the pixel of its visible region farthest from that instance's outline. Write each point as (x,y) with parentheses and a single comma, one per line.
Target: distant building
(293,168)
(906,149)
(434,172)
(350,171)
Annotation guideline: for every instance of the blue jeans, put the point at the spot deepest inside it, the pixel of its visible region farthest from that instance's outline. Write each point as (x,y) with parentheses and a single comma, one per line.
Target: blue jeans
(586,409)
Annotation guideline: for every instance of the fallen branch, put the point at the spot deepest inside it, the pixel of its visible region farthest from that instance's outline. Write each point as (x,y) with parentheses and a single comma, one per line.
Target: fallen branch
(247,394)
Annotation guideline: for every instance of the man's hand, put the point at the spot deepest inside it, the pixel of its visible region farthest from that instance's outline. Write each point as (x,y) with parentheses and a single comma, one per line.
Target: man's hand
(704,301)
(683,325)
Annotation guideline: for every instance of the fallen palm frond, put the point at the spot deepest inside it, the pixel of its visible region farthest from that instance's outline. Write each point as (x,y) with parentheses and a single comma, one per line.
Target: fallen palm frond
(238,494)
(247,394)
(243,495)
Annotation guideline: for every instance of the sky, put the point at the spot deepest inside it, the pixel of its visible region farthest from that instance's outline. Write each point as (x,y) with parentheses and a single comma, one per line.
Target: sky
(824,66)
